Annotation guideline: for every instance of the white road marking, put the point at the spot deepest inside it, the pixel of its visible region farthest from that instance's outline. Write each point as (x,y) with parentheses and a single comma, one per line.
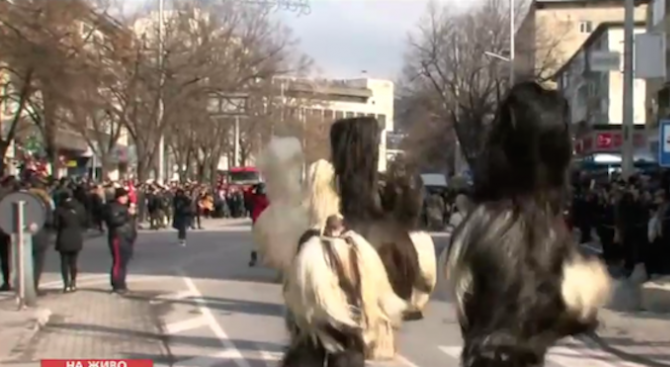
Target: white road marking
(184,325)
(172,297)
(405,361)
(214,325)
(454,352)
(270,357)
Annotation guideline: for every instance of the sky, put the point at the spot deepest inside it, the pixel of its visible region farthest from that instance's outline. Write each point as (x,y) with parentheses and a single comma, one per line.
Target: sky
(347,38)
(352,38)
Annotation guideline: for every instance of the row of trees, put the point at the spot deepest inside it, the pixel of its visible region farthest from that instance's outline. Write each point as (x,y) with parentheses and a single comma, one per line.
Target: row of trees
(450,87)
(70,65)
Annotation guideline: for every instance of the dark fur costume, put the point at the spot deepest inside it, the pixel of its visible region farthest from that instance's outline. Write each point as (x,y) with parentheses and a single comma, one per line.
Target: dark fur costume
(382,211)
(306,350)
(506,261)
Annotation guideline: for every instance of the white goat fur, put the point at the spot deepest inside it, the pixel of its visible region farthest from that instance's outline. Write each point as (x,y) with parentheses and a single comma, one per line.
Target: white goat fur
(313,294)
(586,286)
(278,229)
(425,248)
(321,199)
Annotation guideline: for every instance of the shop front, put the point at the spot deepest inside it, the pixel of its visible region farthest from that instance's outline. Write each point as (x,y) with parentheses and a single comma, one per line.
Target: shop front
(600,149)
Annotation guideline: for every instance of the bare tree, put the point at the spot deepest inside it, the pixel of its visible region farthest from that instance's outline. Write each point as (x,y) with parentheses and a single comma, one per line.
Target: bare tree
(45,49)
(210,49)
(447,68)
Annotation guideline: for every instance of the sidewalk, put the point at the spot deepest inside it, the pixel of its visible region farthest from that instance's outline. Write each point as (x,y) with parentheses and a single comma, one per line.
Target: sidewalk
(91,323)
(17,328)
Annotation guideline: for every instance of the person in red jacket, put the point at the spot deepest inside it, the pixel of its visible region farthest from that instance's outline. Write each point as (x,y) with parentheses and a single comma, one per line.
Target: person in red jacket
(259,203)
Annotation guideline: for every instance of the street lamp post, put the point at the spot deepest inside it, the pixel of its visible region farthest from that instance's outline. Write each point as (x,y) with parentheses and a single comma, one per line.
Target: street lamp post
(512,43)
(161,108)
(627,166)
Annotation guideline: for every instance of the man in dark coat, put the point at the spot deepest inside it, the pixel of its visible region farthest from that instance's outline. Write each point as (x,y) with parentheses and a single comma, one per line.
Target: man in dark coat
(183,214)
(121,237)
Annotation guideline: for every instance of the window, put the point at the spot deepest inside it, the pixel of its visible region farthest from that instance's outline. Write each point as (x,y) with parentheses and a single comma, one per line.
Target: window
(339,115)
(328,115)
(350,114)
(586,26)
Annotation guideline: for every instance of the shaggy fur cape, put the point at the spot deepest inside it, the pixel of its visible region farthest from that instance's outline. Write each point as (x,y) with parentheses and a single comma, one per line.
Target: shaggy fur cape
(519,280)
(278,228)
(341,306)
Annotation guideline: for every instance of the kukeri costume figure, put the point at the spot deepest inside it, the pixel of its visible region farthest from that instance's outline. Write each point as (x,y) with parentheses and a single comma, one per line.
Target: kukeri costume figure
(519,281)
(385,212)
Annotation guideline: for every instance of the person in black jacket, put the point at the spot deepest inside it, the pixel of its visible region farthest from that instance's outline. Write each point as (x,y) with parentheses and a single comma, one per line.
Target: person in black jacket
(69,223)
(121,236)
(183,214)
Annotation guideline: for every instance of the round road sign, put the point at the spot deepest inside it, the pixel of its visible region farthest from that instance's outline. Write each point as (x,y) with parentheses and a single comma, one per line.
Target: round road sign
(34,211)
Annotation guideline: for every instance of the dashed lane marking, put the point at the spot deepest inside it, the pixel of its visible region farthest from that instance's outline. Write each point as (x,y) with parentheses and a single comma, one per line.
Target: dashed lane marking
(185,325)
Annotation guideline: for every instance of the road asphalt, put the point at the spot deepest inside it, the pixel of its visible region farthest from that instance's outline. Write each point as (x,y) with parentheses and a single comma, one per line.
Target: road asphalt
(213,310)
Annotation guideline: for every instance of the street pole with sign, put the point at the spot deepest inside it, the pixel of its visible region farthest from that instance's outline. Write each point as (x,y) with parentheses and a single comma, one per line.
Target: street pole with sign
(21,215)
(627,167)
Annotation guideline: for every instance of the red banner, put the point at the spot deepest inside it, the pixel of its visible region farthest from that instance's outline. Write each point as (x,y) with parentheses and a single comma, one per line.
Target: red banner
(97,363)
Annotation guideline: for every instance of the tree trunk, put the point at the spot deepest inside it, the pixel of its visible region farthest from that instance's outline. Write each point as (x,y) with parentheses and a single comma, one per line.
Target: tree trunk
(50,129)
(105,164)
(144,163)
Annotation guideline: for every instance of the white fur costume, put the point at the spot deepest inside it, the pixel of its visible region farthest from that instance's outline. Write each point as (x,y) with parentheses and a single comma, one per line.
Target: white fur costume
(314,296)
(425,248)
(321,199)
(278,228)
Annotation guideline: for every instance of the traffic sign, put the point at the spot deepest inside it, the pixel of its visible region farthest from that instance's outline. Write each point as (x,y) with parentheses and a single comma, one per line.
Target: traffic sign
(35,212)
(664,143)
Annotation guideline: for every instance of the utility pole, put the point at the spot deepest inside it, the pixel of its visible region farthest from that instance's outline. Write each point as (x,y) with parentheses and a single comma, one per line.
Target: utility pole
(627,125)
(512,45)
(161,108)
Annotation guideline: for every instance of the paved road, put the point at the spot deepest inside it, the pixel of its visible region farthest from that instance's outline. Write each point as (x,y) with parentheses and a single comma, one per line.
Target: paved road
(219,312)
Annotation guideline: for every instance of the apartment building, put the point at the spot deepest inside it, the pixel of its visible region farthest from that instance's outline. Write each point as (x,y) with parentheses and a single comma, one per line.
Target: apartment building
(592,82)
(553,30)
(658,89)
(337,99)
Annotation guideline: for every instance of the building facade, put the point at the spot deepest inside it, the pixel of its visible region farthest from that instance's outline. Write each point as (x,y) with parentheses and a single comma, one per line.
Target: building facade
(337,99)
(553,30)
(658,89)
(592,82)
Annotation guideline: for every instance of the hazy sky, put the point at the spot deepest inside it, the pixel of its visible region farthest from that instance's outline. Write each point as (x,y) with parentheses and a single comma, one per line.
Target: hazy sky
(345,37)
